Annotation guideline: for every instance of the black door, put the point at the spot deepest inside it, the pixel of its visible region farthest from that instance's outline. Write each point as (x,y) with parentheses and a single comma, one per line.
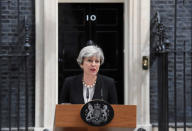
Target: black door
(100,22)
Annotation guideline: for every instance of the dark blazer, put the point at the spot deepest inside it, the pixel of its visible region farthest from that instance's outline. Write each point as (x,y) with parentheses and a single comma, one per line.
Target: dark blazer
(72,91)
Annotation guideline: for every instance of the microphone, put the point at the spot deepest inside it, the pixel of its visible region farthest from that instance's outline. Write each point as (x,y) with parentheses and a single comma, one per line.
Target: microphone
(101,88)
(101,93)
(87,94)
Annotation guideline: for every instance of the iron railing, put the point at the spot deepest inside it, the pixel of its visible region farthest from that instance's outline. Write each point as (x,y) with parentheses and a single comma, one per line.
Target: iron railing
(14,85)
(177,63)
(14,90)
(13,79)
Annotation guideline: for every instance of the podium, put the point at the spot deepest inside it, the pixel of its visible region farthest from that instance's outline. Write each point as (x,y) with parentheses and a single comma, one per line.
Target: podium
(67,118)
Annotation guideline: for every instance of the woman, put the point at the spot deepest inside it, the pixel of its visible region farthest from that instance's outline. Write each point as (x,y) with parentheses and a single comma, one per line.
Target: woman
(89,85)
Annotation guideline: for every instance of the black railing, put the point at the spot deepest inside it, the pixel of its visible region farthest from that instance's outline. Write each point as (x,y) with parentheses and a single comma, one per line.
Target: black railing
(14,85)
(11,81)
(174,76)
(163,92)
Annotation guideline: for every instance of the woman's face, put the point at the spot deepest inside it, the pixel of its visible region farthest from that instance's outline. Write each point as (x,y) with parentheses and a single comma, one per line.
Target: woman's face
(90,65)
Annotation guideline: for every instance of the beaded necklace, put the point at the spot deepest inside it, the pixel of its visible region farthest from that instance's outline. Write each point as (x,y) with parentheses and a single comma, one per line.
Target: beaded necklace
(88,86)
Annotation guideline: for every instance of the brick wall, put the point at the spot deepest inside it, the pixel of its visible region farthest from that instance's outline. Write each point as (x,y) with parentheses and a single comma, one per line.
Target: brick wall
(13,16)
(17,77)
(166,8)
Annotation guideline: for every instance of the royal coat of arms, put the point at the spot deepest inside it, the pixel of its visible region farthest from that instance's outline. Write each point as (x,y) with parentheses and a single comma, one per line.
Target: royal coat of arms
(97,113)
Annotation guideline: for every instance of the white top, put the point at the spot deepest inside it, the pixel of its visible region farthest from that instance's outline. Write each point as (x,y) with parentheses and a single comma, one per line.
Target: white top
(91,93)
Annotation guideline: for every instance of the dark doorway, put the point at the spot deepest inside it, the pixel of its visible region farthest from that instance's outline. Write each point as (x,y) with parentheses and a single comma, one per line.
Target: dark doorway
(100,22)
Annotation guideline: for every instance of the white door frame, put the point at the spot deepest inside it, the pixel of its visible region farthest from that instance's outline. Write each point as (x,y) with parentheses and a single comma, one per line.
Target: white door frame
(136,45)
